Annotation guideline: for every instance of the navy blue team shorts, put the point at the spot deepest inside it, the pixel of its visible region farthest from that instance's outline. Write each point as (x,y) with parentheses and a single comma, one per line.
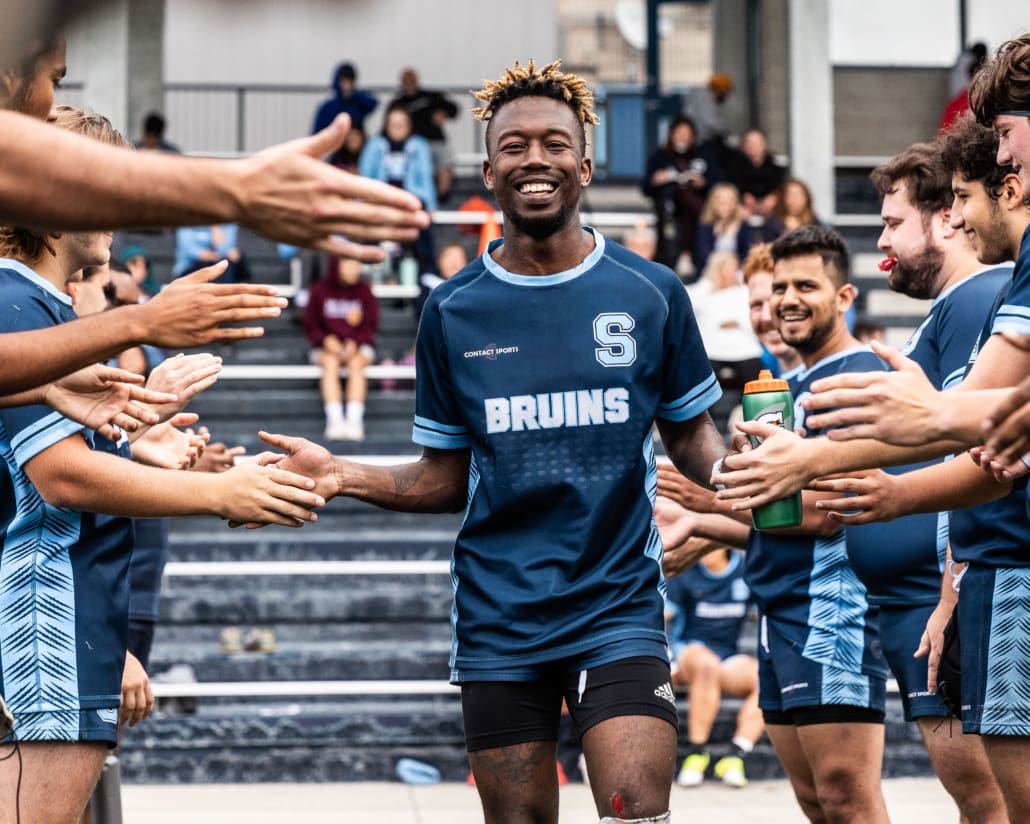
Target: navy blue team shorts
(506,713)
(901,628)
(787,681)
(993,628)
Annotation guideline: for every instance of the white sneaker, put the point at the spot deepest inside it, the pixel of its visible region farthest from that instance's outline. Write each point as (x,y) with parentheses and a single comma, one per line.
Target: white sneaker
(337,431)
(355,431)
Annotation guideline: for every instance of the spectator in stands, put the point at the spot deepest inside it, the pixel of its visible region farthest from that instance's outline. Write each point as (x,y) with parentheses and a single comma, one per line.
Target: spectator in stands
(793,209)
(721,306)
(346,157)
(403,159)
(137,263)
(704,106)
(676,180)
(777,356)
(429,111)
(340,321)
(153,136)
(451,260)
(346,99)
(200,246)
(723,227)
(958,105)
(867,330)
(755,174)
(643,240)
(708,604)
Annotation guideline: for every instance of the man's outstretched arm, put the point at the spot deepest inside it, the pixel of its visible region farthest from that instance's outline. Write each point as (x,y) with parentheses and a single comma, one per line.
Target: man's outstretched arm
(284,192)
(191,312)
(437,482)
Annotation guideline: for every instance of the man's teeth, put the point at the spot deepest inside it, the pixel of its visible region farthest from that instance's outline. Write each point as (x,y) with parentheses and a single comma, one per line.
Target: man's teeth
(535,188)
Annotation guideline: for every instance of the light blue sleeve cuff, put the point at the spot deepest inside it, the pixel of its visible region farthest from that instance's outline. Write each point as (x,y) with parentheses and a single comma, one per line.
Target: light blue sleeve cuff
(697,400)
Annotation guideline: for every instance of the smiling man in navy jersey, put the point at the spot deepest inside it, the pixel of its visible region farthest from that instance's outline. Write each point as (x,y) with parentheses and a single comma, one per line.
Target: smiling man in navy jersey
(542,367)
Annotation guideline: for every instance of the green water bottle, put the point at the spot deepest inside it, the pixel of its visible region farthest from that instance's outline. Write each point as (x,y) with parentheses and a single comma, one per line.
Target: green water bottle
(768,400)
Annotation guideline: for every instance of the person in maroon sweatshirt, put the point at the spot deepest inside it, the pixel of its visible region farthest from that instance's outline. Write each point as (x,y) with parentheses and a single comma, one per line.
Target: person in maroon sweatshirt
(341,320)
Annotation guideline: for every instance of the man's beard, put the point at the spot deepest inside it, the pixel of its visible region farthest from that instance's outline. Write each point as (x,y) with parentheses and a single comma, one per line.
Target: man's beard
(540,228)
(812,340)
(917,277)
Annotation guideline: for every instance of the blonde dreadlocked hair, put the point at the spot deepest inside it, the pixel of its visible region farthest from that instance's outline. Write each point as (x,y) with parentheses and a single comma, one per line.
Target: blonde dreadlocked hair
(550,81)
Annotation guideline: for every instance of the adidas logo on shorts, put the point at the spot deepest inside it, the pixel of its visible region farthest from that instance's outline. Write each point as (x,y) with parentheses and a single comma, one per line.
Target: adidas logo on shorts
(665,691)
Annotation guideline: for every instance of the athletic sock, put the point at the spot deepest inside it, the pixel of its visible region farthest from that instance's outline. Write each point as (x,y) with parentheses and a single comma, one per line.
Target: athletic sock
(741,746)
(355,411)
(334,412)
(697,749)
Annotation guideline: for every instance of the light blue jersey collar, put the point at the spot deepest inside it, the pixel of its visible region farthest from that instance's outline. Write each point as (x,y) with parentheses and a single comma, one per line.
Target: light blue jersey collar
(41,282)
(588,262)
(803,373)
(1010,265)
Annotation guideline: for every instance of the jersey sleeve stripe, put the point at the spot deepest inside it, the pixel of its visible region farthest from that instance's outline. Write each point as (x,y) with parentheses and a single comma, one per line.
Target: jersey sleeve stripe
(954,378)
(692,404)
(1011,317)
(436,426)
(431,434)
(41,435)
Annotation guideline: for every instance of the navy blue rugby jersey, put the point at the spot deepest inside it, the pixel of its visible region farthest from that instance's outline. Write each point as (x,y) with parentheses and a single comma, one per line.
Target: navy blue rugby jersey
(554,383)
(901,561)
(63,585)
(806,585)
(997,533)
(709,607)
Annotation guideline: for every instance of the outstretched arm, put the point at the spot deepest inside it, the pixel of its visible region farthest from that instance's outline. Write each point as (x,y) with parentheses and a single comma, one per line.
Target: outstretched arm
(437,482)
(285,192)
(191,312)
(70,475)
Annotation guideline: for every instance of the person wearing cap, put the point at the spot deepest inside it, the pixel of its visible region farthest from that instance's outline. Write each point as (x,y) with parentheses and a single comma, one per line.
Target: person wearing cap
(346,99)
(705,107)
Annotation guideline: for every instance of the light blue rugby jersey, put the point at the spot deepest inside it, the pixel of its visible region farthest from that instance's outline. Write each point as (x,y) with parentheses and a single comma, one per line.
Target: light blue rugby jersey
(554,382)
(901,561)
(805,585)
(998,533)
(63,574)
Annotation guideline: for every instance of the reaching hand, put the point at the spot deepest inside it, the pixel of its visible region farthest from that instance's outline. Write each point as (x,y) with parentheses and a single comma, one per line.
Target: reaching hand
(306,458)
(1002,473)
(192,311)
(867,496)
(932,642)
(217,457)
(103,398)
(289,194)
(900,407)
(675,486)
(166,447)
(253,493)
(773,470)
(184,376)
(1007,427)
(675,524)
(137,697)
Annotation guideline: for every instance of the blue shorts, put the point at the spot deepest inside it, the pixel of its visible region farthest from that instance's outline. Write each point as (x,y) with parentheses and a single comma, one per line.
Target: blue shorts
(606,654)
(993,629)
(901,629)
(99,725)
(787,680)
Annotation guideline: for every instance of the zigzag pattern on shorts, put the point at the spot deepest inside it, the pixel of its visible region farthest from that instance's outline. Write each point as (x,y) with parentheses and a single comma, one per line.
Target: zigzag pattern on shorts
(1007,699)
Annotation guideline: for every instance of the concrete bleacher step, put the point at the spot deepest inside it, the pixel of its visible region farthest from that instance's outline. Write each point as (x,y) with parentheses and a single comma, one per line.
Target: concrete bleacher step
(421,655)
(320,542)
(362,738)
(305,599)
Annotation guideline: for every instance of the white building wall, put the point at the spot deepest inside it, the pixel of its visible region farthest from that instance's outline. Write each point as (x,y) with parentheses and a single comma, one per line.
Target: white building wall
(269,41)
